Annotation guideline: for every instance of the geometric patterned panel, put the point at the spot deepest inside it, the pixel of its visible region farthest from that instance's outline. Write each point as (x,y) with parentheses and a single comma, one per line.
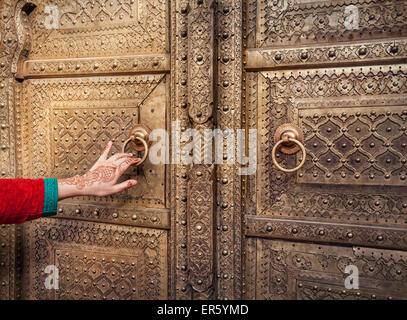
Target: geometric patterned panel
(355,145)
(303,271)
(95,261)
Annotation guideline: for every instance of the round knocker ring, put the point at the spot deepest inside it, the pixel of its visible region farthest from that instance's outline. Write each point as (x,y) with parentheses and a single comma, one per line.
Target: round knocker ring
(132,138)
(286,138)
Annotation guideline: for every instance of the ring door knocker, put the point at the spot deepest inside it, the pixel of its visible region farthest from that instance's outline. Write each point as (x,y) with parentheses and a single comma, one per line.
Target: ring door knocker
(139,141)
(289,139)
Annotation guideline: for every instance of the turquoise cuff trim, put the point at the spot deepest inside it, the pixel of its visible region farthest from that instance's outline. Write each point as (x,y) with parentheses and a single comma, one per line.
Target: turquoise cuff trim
(50,197)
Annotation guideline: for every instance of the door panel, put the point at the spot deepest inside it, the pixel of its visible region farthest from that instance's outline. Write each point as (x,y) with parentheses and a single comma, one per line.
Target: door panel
(287,270)
(337,70)
(96,261)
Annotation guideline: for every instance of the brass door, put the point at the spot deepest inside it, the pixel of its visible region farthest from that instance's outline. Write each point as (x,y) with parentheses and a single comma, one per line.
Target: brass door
(89,71)
(337,70)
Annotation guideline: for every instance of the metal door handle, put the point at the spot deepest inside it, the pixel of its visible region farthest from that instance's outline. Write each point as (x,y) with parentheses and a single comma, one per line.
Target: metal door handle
(289,138)
(139,139)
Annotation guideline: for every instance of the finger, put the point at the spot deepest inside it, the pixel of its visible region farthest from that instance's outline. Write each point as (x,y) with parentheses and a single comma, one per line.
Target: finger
(106,151)
(124,185)
(126,163)
(119,156)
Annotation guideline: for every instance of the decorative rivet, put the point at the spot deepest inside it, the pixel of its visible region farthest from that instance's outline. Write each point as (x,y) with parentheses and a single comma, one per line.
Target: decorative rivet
(184,34)
(349,235)
(269,228)
(277,57)
(294,230)
(304,55)
(321,232)
(379,238)
(394,49)
(199,173)
(78,211)
(362,51)
(331,53)
(115,215)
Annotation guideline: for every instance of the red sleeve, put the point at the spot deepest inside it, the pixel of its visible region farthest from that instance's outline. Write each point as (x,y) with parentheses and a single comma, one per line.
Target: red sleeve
(21,200)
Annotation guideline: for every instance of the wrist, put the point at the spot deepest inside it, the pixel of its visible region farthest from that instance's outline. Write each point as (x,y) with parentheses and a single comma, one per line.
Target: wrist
(71,187)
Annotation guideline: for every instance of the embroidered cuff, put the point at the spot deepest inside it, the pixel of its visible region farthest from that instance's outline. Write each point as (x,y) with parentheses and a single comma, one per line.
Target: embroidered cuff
(50,197)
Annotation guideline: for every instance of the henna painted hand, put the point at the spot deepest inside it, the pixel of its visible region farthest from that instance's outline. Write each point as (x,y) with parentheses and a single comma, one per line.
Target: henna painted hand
(101,179)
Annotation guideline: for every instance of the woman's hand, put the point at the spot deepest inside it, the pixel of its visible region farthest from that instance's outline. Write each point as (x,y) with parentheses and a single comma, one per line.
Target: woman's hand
(101,179)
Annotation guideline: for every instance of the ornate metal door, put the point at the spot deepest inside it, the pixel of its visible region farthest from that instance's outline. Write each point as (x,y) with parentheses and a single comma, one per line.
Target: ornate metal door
(75,74)
(336,69)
